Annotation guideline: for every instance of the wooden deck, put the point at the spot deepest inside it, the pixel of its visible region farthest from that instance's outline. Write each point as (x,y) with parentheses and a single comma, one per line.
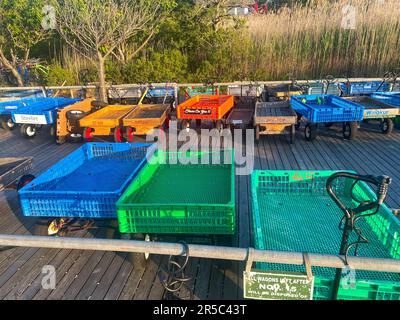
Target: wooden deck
(108,275)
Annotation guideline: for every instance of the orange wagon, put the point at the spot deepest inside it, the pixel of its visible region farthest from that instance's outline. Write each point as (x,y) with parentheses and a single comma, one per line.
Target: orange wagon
(205,107)
(105,122)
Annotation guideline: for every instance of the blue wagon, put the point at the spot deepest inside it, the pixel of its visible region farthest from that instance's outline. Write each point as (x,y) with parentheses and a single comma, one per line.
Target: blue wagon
(160,95)
(327,109)
(392,98)
(6,107)
(85,184)
(35,113)
(363,87)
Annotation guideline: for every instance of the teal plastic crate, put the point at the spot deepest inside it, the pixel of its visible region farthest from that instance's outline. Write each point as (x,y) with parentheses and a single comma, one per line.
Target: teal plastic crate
(293,212)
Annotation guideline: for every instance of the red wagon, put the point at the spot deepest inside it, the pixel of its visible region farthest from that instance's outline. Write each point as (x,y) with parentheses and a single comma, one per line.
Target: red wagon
(213,108)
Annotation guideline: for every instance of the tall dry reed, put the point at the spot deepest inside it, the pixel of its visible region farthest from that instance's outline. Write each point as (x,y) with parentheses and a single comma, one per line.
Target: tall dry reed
(310,41)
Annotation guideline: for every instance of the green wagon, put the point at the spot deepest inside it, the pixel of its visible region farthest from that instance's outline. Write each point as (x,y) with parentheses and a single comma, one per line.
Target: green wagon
(173,196)
(292,211)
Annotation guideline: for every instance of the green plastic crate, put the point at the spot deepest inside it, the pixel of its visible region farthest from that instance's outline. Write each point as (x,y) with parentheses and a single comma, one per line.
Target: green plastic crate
(293,212)
(170,197)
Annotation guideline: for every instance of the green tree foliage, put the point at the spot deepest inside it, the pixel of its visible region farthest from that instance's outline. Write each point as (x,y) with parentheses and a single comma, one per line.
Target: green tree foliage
(21,29)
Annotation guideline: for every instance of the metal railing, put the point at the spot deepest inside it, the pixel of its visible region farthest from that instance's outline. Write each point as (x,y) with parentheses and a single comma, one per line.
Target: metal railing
(179,85)
(200,251)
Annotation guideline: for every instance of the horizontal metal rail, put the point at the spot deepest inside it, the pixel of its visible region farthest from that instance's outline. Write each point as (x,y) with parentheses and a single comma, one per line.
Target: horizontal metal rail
(200,251)
(122,86)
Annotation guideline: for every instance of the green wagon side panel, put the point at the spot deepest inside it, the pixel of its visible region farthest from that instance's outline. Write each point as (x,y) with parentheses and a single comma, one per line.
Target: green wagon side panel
(171,197)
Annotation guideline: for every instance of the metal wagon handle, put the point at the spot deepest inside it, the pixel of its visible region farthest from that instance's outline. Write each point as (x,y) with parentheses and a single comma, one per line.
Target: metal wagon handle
(382,182)
(353,215)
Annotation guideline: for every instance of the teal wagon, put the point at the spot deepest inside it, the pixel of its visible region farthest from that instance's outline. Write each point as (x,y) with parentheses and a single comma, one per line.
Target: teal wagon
(293,212)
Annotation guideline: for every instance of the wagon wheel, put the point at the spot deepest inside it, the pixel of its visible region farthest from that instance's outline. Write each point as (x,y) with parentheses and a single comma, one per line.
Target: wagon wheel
(350,130)
(257,133)
(29,131)
(387,126)
(24,180)
(298,122)
(129,134)
(185,124)
(75,137)
(8,124)
(292,134)
(118,135)
(88,134)
(219,125)
(310,132)
(166,122)
(75,115)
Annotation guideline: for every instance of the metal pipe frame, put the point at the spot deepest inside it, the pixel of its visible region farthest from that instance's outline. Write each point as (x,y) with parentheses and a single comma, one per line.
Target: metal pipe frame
(200,251)
(179,85)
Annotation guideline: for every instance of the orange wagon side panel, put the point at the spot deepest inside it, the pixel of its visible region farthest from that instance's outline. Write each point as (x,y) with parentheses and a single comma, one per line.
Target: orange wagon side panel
(205,107)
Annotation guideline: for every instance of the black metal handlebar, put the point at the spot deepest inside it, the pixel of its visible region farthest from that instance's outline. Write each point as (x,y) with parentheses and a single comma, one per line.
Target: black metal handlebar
(382,182)
(352,215)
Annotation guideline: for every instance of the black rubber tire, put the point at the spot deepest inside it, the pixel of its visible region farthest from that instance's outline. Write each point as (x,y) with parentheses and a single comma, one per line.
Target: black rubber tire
(75,138)
(257,133)
(119,135)
(298,122)
(53,131)
(75,115)
(350,130)
(292,134)
(185,124)
(310,132)
(84,137)
(8,124)
(219,125)
(24,180)
(29,131)
(387,126)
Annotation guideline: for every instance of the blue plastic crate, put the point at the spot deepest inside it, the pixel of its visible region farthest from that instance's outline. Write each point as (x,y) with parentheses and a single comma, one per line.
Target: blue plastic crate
(327,108)
(40,111)
(364,88)
(160,92)
(87,183)
(392,98)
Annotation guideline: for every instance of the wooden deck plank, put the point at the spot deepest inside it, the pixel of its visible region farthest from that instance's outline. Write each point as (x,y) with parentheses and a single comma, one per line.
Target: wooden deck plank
(101,275)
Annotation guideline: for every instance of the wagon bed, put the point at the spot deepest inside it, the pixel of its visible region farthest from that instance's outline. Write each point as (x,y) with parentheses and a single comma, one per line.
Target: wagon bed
(145,118)
(293,206)
(86,183)
(170,197)
(274,118)
(283,91)
(108,116)
(375,109)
